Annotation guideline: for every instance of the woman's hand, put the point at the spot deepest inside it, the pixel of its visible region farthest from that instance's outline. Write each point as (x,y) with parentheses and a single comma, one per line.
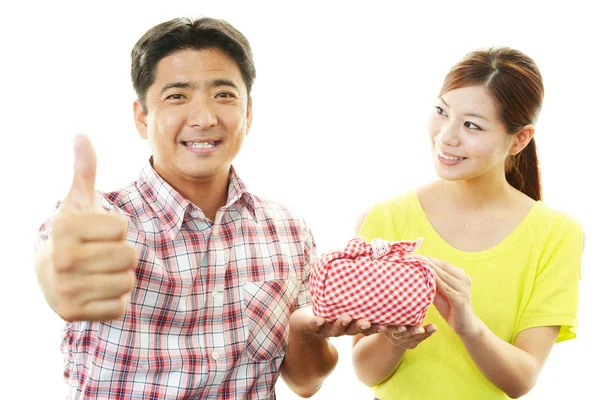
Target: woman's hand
(453,297)
(408,337)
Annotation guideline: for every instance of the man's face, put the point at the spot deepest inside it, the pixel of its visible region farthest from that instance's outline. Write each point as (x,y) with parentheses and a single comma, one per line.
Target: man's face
(198,114)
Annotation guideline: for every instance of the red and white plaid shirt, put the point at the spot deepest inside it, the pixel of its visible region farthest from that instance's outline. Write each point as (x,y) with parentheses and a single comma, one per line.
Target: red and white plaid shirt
(208,316)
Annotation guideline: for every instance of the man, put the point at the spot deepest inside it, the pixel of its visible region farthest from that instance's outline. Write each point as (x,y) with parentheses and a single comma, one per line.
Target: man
(184,284)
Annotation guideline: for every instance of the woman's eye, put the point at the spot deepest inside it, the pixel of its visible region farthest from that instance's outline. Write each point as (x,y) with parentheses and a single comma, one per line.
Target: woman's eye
(472,126)
(440,110)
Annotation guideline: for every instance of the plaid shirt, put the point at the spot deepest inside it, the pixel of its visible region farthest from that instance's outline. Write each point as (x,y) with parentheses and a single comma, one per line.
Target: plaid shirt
(208,316)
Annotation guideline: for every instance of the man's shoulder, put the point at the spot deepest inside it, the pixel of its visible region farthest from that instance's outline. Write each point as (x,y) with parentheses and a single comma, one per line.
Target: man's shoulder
(128,199)
(271,210)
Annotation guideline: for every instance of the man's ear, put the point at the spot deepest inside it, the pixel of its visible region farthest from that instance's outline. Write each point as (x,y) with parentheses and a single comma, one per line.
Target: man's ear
(521,139)
(139,116)
(249,116)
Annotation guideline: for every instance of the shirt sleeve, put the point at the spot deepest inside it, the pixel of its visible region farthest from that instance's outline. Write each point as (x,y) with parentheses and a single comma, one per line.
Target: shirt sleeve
(310,254)
(45,230)
(374,226)
(554,297)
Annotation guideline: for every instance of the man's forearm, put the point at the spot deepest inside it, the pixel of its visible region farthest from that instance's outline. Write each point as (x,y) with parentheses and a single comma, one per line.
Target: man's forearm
(308,361)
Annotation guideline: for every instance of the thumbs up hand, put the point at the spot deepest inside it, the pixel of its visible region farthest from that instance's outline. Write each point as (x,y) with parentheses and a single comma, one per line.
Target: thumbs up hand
(86,268)
(82,195)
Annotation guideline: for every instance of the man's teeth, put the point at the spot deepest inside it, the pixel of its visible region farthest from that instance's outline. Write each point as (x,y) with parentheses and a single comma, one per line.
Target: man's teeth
(451,158)
(203,145)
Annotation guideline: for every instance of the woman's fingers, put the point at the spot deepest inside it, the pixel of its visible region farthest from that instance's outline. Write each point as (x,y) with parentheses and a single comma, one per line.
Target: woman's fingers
(408,336)
(444,283)
(443,274)
(456,272)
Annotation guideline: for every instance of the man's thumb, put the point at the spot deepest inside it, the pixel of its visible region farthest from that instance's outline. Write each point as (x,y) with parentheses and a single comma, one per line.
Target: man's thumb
(82,194)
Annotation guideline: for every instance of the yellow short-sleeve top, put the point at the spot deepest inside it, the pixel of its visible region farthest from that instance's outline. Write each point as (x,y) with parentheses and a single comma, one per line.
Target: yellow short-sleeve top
(529,279)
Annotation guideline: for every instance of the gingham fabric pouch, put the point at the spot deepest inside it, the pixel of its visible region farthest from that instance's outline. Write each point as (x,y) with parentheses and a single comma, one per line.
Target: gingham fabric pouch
(378,281)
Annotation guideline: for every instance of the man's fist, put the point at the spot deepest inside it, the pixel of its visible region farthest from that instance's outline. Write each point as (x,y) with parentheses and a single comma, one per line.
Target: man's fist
(86,268)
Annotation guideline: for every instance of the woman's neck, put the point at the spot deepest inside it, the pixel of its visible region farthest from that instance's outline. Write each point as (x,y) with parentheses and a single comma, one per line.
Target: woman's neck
(478,193)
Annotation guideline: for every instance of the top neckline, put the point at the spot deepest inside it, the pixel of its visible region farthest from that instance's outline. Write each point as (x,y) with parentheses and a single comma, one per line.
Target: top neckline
(475,255)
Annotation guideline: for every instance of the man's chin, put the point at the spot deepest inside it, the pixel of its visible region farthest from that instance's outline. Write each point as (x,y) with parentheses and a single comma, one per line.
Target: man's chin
(208,173)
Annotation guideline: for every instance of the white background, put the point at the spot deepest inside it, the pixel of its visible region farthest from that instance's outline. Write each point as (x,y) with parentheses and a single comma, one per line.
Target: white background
(340,107)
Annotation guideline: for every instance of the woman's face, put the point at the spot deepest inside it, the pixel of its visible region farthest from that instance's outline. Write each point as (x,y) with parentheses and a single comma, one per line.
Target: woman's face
(468,138)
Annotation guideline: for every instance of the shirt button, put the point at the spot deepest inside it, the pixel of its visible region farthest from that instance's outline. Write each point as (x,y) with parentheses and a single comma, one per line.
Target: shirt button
(215,355)
(194,214)
(215,293)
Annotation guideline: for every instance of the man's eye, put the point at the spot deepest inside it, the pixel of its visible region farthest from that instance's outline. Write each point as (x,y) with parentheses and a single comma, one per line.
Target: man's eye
(224,95)
(176,96)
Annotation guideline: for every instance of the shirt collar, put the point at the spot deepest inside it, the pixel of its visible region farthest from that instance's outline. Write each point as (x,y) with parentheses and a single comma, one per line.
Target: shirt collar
(171,207)
(239,192)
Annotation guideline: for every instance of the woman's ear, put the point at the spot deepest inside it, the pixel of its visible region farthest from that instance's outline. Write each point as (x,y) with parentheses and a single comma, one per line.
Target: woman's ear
(521,139)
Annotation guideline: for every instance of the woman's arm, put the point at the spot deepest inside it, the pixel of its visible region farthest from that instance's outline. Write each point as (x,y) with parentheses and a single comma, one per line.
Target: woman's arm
(512,368)
(377,356)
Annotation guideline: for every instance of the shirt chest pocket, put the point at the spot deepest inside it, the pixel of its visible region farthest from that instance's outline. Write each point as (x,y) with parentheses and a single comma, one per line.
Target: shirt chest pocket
(269,305)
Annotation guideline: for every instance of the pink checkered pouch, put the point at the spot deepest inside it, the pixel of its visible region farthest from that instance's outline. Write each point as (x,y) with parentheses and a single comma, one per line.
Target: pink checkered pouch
(378,281)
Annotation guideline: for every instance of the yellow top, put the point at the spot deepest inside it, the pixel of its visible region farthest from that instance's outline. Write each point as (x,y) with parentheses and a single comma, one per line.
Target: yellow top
(530,279)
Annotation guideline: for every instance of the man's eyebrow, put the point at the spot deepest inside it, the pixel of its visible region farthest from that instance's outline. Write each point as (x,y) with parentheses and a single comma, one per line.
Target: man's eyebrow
(222,82)
(179,85)
(190,85)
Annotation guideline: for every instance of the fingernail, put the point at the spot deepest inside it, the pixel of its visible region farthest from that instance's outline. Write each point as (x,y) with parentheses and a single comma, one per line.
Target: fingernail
(318,322)
(419,330)
(402,329)
(345,323)
(364,327)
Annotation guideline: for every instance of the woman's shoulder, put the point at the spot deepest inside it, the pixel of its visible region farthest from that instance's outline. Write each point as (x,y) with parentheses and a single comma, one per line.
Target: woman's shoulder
(402,205)
(551,218)
(399,209)
(555,226)
(395,205)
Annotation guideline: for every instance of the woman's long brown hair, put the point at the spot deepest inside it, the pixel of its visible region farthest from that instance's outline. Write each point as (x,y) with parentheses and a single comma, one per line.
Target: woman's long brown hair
(514,81)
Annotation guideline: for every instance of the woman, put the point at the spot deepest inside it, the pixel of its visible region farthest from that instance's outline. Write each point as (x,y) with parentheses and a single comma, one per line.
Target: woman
(507,265)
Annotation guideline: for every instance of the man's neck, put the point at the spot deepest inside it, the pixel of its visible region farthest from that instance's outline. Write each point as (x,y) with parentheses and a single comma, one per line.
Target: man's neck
(209,194)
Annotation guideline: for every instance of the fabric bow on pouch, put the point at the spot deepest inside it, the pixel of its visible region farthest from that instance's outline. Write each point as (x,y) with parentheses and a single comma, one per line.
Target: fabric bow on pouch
(378,281)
